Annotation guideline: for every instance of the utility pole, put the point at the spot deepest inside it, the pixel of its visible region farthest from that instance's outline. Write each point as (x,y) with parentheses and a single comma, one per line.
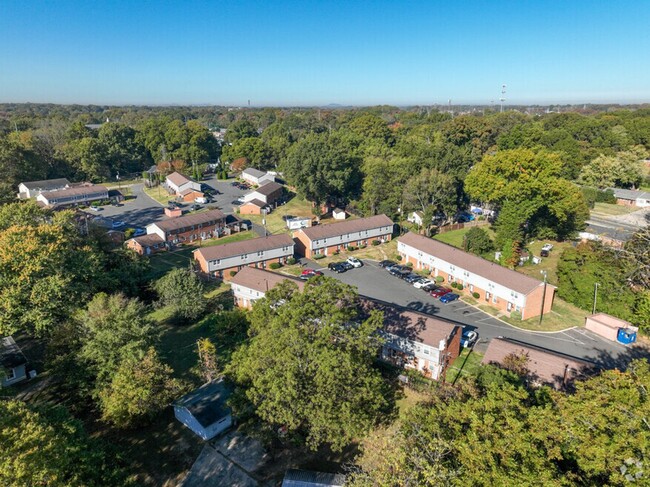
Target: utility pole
(596,284)
(541,314)
(503,96)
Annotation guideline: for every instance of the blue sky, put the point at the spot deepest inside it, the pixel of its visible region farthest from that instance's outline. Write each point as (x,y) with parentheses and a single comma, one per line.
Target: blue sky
(315,53)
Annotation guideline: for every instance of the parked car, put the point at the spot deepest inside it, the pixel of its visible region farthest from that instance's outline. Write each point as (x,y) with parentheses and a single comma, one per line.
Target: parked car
(354,262)
(309,273)
(396,268)
(139,231)
(422,283)
(449,297)
(94,208)
(412,277)
(347,265)
(118,224)
(429,287)
(386,263)
(468,339)
(337,267)
(544,253)
(441,291)
(548,247)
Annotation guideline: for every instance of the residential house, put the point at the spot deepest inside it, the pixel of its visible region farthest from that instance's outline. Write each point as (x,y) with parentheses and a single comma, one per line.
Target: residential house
(32,189)
(78,195)
(415,340)
(188,228)
(266,195)
(631,197)
(544,367)
(251,284)
(257,177)
(220,260)
(326,239)
(205,410)
(183,187)
(416,217)
(503,288)
(12,361)
(608,236)
(309,478)
(146,244)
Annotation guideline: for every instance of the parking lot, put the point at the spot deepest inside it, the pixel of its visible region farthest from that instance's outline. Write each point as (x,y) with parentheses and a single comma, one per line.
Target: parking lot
(377,283)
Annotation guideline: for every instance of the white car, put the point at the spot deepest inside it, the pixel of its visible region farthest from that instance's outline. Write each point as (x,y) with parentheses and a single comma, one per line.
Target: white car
(468,339)
(354,262)
(423,282)
(547,247)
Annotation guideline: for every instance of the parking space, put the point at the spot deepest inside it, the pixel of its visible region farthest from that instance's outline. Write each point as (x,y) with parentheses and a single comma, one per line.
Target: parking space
(377,283)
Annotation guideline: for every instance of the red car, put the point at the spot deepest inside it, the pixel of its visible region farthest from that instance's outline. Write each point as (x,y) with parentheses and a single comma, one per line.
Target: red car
(441,291)
(307,273)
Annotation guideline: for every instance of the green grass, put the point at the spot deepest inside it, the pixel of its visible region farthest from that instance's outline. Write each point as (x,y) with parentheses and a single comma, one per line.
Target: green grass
(158,194)
(466,364)
(609,209)
(548,264)
(275,224)
(455,237)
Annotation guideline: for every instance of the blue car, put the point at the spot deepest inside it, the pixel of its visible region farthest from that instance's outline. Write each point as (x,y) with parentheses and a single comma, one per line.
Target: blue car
(449,297)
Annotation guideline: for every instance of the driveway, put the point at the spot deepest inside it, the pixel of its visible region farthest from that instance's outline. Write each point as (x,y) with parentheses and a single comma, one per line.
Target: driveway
(377,283)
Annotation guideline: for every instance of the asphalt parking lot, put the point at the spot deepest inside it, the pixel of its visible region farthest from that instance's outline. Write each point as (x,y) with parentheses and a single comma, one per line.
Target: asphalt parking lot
(377,283)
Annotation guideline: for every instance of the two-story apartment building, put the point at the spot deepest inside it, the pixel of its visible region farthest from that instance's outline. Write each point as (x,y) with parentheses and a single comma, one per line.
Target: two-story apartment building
(220,260)
(32,189)
(79,195)
(183,187)
(326,239)
(188,228)
(256,177)
(415,340)
(503,288)
(251,284)
(266,195)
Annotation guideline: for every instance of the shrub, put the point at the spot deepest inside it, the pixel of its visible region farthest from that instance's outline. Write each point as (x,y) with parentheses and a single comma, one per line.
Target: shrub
(351,248)
(409,264)
(362,246)
(374,243)
(440,279)
(476,295)
(454,285)
(460,287)
(275,265)
(233,273)
(319,256)
(291,261)
(398,258)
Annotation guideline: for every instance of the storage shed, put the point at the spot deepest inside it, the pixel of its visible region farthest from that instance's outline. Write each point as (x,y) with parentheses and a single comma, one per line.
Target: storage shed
(12,361)
(204,410)
(612,328)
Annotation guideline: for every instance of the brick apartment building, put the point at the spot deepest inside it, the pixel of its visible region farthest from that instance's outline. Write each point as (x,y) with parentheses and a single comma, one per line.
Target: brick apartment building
(503,288)
(183,187)
(251,284)
(326,239)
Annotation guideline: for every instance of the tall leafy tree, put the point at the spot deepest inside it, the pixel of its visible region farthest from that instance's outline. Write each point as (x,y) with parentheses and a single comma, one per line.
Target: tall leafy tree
(182,290)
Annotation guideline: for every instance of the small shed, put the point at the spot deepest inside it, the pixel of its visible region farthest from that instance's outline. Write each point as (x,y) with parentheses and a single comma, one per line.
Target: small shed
(308,478)
(12,361)
(204,410)
(297,223)
(339,214)
(612,328)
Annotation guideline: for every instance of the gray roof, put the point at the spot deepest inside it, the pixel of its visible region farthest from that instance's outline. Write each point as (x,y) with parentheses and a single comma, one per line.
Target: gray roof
(178,179)
(148,240)
(256,173)
(10,354)
(207,403)
(255,202)
(630,194)
(496,273)
(349,226)
(253,245)
(268,188)
(189,220)
(85,190)
(308,478)
(47,184)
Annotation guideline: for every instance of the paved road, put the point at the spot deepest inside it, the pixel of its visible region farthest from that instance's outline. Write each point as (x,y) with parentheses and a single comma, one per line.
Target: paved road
(374,282)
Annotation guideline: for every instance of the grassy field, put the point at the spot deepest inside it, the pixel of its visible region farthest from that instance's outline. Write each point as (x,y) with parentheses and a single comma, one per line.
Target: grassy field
(608,209)
(158,194)
(548,264)
(466,364)
(274,222)
(455,237)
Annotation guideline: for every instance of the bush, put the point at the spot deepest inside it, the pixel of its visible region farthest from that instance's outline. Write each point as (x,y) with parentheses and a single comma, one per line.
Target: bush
(460,287)
(454,285)
(362,246)
(291,261)
(319,256)
(440,279)
(128,233)
(374,243)
(476,295)
(275,265)
(233,273)
(351,248)
(398,258)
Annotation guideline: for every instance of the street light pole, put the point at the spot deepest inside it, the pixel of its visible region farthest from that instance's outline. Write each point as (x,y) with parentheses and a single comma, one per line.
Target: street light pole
(541,313)
(596,284)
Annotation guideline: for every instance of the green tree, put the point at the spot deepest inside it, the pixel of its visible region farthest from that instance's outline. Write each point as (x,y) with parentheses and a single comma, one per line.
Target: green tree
(429,192)
(308,363)
(17,165)
(208,359)
(46,446)
(637,254)
(642,311)
(182,290)
(477,241)
(141,387)
(624,170)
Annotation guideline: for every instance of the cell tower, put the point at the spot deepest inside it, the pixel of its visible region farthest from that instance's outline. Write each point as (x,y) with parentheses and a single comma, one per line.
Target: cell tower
(503,96)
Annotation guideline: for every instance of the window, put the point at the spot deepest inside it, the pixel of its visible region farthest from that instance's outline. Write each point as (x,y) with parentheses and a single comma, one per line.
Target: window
(426,351)
(11,374)
(494,299)
(244,256)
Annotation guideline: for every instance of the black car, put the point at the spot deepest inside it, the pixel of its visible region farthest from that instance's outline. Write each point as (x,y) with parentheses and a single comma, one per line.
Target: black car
(393,269)
(429,287)
(412,277)
(544,253)
(337,267)
(403,274)
(347,265)
(386,263)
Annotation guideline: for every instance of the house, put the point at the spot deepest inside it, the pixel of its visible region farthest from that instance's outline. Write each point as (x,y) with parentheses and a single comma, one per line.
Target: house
(608,236)
(326,239)
(78,195)
(256,177)
(544,367)
(630,197)
(204,410)
(221,260)
(32,189)
(308,478)
(416,217)
(12,361)
(415,340)
(503,288)
(146,244)
(612,328)
(339,214)
(251,284)
(183,187)
(188,228)
(266,195)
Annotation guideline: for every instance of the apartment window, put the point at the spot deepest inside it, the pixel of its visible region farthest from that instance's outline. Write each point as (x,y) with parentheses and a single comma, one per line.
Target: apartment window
(244,256)
(426,351)
(494,299)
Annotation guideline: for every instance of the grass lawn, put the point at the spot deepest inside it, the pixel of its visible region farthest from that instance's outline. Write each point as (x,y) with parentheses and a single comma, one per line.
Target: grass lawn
(548,264)
(609,209)
(409,399)
(158,194)
(455,237)
(466,364)
(275,224)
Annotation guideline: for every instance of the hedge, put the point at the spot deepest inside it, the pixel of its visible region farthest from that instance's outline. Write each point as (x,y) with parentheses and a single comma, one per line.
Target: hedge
(319,256)
(454,285)
(374,243)
(460,287)
(291,261)
(275,265)
(233,273)
(476,295)
(440,279)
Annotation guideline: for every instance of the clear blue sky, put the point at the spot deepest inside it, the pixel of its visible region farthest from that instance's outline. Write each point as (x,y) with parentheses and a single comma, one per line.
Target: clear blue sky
(308,53)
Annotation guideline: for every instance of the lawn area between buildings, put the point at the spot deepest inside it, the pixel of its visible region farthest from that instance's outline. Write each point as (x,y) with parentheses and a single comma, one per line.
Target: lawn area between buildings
(163,262)
(455,237)
(466,364)
(159,194)
(275,223)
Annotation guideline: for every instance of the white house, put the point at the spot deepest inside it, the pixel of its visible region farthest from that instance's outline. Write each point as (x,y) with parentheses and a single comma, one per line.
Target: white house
(251,284)
(415,217)
(268,193)
(204,410)
(179,183)
(12,361)
(32,189)
(79,195)
(256,177)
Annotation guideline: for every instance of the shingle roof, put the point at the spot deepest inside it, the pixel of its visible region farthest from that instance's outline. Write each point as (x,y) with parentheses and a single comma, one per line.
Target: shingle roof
(190,190)
(630,194)
(543,365)
(261,280)
(349,226)
(47,184)
(268,188)
(412,325)
(489,270)
(245,247)
(308,478)
(76,191)
(256,202)
(10,354)
(251,171)
(178,179)
(207,403)
(148,240)
(189,220)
